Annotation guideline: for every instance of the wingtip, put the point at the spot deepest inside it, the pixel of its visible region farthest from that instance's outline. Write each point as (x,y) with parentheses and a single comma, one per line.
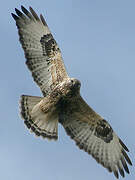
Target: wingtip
(34,13)
(14,16)
(16,10)
(116,174)
(43,20)
(30,8)
(19,13)
(123,145)
(22,7)
(126,157)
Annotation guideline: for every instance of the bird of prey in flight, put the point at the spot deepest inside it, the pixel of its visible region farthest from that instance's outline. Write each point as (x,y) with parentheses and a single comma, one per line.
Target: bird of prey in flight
(61,101)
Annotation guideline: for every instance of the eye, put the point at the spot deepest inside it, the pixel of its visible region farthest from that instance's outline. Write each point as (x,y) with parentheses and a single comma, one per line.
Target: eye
(72,81)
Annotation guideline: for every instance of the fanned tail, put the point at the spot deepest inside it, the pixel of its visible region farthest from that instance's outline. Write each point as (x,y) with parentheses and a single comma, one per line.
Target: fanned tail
(41,123)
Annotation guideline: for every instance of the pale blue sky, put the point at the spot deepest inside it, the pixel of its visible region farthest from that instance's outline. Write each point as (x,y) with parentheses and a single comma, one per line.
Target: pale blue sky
(97,40)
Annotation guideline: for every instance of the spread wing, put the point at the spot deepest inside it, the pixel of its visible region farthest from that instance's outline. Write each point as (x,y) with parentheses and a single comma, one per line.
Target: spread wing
(41,50)
(94,135)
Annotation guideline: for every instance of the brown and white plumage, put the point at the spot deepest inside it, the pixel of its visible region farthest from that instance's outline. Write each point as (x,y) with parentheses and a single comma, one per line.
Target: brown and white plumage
(62,101)
(41,50)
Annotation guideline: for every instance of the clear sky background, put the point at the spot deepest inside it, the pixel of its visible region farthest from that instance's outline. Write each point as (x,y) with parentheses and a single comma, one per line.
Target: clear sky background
(97,40)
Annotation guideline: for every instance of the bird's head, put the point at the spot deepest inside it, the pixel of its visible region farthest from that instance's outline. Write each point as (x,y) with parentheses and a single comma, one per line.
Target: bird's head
(70,87)
(74,84)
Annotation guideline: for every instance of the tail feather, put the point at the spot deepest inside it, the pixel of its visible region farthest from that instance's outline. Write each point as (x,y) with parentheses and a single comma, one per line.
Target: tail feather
(41,123)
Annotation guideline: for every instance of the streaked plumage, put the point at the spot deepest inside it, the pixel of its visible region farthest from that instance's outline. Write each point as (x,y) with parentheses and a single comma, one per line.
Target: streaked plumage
(62,101)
